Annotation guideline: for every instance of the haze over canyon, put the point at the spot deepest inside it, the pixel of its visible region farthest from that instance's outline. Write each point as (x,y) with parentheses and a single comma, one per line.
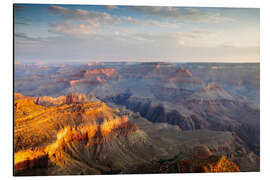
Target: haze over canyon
(136,117)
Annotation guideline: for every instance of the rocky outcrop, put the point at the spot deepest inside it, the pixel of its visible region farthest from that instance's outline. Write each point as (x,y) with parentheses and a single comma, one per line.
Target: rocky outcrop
(101,140)
(89,136)
(70,133)
(163,72)
(199,160)
(203,160)
(242,80)
(211,164)
(76,99)
(212,92)
(182,75)
(93,81)
(18,96)
(74,82)
(219,164)
(201,152)
(92,98)
(94,77)
(72,98)
(102,71)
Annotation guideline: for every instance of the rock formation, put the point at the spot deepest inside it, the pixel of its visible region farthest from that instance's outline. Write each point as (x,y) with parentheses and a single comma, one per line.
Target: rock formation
(71,98)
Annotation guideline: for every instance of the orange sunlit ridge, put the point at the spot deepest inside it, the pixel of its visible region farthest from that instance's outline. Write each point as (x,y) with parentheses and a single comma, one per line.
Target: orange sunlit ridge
(76,134)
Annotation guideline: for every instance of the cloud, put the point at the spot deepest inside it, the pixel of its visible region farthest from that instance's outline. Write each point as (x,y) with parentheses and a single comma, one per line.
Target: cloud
(81,22)
(194,38)
(78,21)
(91,17)
(25,37)
(140,46)
(70,29)
(147,22)
(22,20)
(27,42)
(182,14)
(150,32)
(65,11)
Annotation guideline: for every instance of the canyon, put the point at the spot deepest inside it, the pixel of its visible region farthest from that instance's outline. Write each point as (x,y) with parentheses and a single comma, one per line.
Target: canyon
(111,118)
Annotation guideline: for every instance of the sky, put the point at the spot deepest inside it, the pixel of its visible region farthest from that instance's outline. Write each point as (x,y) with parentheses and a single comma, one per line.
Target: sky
(46,33)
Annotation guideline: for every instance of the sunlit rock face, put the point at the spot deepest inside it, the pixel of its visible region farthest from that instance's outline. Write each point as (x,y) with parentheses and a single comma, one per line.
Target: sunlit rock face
(102,71)
(204,161)
(92,77)
(182,75)
(93,138)
(61,116)
(200,160)
(220,164)
(208,165)
(82,126)
(71,98)
(83,136)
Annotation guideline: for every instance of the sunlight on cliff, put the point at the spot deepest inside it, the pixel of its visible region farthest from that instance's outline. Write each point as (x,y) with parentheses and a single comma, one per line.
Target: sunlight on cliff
(27,155)
(108,125)
(84,134)
(222,165)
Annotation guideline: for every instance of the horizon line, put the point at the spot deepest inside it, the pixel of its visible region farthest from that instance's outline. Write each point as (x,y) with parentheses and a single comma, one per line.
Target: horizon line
(80,62)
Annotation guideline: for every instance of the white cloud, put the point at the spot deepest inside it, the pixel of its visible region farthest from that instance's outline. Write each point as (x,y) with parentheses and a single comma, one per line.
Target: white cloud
(101,35)
(172,46)
(90,22)
(78,21)
(70,29)
(148,22)
(91,17)
(183,14)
